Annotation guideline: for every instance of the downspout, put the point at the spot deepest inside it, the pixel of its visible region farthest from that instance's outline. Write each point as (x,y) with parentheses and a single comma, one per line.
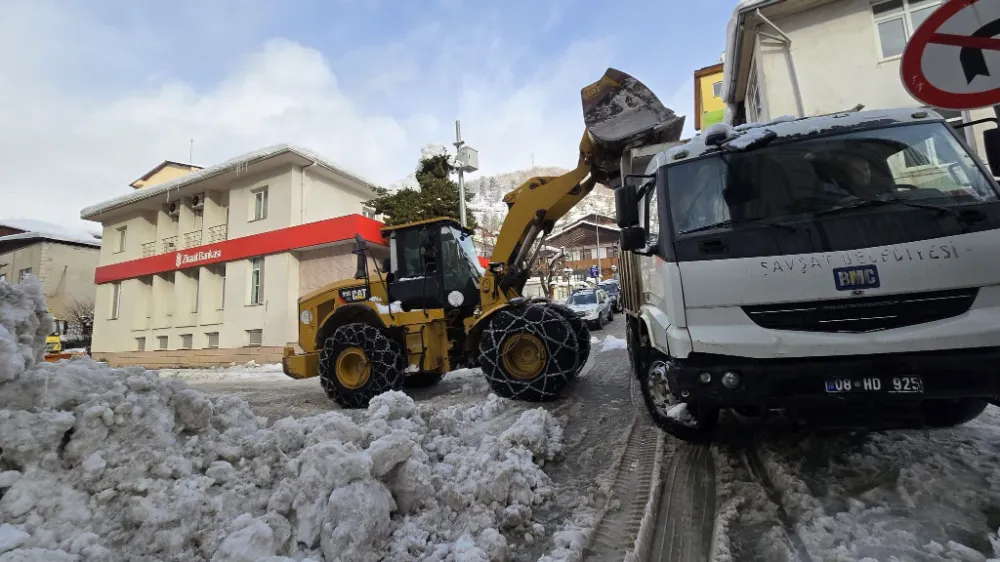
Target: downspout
(787,42)
(302,191)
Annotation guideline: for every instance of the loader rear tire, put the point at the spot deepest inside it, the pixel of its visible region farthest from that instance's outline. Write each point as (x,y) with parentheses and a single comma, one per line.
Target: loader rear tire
(528,353)
(580,330)
(422,380)
(359,362)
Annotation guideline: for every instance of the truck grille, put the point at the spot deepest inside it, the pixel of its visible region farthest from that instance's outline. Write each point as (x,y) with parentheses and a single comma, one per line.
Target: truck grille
(866,314)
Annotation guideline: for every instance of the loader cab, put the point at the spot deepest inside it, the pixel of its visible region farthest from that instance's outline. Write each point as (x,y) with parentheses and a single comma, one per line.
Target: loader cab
(432,264)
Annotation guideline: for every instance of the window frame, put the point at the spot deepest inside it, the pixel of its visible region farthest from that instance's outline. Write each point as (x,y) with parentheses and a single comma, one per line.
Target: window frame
(162,343)
(906,15)
(258,203)
(208,340)
(717,89)
(752,99)
(187,341)
(250,334)
(22,273)
(368,213)
(122,232)
(256,293)
(140,343)
(116,300)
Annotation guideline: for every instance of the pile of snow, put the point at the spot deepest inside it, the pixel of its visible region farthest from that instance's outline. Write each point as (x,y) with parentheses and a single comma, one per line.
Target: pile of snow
(120,464)
(250,371)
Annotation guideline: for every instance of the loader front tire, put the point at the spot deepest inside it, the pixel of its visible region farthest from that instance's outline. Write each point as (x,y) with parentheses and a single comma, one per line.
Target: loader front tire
(580,330)
(528,353)
(359,362)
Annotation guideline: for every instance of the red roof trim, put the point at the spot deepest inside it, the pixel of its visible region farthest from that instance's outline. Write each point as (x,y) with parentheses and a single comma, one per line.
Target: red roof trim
(273,242)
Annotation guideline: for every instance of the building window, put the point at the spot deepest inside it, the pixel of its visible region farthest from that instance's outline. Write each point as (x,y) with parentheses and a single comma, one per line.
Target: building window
(213,340)
(195,277)
(3,277)
(259,202)
(22,274)
(368,212)
(140,344)
(161,342)
(256,280)
(896,20)
(120,246)
(717,89)
(754,110)
(186,341)
(255,338)
(116,299)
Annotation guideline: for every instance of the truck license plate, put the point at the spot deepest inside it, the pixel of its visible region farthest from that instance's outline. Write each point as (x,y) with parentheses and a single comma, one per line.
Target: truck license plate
(893,385)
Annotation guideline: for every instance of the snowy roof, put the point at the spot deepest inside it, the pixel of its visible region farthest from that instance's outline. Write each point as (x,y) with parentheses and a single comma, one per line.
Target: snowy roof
(734,35)
(219,169)
(785,127)
(161,166)
(54,237)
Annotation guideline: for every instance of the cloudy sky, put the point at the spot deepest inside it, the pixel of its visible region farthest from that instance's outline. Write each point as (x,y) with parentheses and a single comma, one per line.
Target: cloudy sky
(95,92)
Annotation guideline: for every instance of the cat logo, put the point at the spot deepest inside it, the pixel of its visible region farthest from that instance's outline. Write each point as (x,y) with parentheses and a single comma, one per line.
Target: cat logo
(354,294)
(856,277)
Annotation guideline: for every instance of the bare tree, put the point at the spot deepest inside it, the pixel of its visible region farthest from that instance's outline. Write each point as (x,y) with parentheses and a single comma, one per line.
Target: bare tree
(548,267)
(80,317)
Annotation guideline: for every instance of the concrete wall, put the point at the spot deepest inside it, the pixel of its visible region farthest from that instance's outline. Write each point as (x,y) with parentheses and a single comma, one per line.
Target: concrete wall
(22,258)
(67,275)
(323,266)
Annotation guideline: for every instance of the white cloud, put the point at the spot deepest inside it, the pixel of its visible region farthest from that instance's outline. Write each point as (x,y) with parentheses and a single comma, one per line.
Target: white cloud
(65,148)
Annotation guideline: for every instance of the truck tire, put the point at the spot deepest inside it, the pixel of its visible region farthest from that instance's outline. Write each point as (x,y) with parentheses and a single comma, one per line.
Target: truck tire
(422,380)
(528,353)
(699,423)
(949,413)
(359,362)
(581,331)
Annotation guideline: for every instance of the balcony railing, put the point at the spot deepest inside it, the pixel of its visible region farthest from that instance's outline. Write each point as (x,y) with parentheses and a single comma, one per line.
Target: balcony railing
(170,244)
(192,239)
(217,233)
(148,249)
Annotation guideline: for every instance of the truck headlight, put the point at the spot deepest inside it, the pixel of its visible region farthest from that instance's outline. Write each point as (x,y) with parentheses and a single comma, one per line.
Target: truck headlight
(306,316)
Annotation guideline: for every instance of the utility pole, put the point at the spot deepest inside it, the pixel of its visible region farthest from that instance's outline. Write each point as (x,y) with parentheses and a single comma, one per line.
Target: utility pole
(466,160)
(191,153)
(597,230)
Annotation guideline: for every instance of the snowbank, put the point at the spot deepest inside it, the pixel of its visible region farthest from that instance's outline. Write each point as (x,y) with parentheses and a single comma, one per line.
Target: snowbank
(120,464)
(250,371)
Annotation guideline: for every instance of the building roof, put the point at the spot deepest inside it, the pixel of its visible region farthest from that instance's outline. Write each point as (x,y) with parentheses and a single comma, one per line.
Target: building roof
(161,166)
(53,231)
(734,44)
(582,232)
(241,161)
(785,127)
(26,238)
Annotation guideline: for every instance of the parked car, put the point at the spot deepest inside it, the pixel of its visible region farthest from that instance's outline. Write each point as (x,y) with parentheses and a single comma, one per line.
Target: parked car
(592,305)
(614,291)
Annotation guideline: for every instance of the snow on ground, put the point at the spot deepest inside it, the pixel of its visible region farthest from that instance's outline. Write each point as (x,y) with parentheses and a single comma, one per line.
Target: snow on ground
(611,342)
(901,495)
(100,463)
(248,372)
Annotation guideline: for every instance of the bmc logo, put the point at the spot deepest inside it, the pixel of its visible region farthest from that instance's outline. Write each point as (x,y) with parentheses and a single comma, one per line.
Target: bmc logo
(188,259)
(857,277)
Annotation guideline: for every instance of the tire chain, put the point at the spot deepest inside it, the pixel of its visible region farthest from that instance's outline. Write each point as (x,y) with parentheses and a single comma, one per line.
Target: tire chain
(560,344)
(581,332)
(383,354)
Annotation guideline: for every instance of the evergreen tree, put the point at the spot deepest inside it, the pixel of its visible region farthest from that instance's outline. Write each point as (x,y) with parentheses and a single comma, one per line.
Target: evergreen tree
(437,196)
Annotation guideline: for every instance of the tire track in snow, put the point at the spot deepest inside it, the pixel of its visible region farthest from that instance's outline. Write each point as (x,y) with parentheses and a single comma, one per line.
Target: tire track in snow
(630,492)
(685,516)
(752,460)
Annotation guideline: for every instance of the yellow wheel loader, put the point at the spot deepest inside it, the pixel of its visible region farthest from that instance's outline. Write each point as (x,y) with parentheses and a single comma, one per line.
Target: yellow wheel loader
(430,307)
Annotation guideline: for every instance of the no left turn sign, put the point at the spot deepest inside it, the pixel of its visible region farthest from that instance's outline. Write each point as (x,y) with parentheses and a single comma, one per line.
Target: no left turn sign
(953,59)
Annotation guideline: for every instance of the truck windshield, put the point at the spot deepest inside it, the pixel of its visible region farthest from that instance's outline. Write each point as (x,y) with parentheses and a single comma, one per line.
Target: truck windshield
(922,165)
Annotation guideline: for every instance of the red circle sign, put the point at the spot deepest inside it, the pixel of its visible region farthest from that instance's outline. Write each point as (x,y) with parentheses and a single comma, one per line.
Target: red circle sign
(911,67)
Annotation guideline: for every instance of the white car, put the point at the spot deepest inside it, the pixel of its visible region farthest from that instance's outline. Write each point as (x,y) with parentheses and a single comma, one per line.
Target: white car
(592,305)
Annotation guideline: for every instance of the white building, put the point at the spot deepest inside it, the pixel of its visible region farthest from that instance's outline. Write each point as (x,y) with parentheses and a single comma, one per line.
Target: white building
(205,266)
(813,57)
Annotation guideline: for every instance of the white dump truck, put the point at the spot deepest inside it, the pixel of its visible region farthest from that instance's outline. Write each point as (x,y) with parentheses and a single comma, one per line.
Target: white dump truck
(844,269)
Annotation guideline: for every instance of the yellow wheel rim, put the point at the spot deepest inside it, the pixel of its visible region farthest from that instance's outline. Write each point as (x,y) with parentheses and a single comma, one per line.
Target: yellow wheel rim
(523,356)
(353,368)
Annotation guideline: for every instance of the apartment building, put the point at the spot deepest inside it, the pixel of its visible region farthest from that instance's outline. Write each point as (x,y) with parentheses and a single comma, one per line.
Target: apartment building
(813,57)
(708,106)
(205,266)
(63,261)
(589,241)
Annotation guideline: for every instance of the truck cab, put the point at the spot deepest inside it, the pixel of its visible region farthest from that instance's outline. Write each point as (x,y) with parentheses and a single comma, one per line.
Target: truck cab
(840,268)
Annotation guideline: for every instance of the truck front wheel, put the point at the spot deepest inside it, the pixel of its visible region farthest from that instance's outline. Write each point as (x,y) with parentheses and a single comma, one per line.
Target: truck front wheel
(359,362)
(949,413)
(694,423)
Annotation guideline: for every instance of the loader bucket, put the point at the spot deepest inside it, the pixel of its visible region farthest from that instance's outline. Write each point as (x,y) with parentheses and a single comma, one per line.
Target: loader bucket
(621,113)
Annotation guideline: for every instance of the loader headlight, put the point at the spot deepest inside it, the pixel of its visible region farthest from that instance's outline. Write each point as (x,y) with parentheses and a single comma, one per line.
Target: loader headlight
(456,298)
(306,316)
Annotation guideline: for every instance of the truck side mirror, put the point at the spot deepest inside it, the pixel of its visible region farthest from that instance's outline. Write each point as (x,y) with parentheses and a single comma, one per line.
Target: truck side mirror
(626,207)
(991,142)
(633,238)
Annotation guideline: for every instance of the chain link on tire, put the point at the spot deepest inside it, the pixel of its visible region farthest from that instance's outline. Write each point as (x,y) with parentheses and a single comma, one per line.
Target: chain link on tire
(555,334)
(580,330)
(384,356)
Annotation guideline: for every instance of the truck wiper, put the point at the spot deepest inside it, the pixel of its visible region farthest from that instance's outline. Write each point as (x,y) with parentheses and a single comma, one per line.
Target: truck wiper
(863,202)
(731,223)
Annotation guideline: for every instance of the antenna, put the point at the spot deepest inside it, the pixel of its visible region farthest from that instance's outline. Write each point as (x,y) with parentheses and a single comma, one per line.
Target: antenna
(191,153)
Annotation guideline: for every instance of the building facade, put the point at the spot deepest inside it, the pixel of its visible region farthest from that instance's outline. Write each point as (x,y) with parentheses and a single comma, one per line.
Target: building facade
(814,57)
(708,106)
(206,267)
(591,241)
(64,262)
